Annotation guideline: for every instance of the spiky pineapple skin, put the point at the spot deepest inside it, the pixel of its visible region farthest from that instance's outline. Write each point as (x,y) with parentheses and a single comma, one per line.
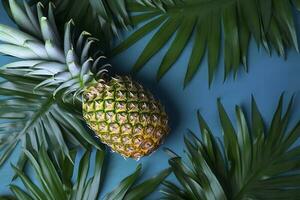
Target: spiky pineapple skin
(125,116)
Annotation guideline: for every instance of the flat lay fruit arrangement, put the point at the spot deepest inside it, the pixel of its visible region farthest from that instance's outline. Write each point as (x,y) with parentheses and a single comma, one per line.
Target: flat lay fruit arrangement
(67,111)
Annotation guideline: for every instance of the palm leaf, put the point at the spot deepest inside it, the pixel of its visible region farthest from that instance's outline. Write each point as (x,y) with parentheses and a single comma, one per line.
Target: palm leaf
(142,190)
(109,15)
(56,180)
(252,162)
(269,22)
(30,118)
(128,190)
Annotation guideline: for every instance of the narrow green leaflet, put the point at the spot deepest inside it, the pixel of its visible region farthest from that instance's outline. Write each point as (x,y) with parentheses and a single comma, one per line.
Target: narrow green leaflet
(120,191)
(177,47)
(157,42)
(197,53)
(19,193)
(249,163)
(147,187)
(56,179)
(128,190)
(53,182)
(221,26)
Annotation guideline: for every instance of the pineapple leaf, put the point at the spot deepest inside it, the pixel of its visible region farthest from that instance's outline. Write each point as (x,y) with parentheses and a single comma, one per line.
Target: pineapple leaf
(250,163)
(66,61)
(212,26)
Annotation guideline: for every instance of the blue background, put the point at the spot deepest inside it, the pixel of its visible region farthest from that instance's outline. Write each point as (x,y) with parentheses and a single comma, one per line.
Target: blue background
(267,78)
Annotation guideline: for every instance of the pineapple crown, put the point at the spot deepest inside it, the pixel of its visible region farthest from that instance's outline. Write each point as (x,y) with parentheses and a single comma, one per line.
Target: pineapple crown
(65,62)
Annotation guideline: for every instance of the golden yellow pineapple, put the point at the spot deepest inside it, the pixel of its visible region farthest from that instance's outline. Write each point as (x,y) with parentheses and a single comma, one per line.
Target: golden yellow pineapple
(125,116)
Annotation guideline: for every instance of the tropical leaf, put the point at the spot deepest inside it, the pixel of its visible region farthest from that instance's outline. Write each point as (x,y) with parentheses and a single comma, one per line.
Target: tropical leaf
(102,18)
(56,180)
(126,190)
(142,190)
(216,25)
(252,162)
(31,118)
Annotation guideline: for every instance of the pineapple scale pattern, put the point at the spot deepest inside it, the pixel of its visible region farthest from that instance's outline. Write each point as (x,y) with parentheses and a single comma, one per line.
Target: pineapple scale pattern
(125,116)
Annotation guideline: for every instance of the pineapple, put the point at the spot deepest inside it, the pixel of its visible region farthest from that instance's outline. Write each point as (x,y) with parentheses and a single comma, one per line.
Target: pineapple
(125,116)
(120,111)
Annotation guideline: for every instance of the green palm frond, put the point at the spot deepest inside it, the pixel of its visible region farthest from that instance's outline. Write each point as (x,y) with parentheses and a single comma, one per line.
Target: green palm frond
(212,26)
(34,118)
(252,162)
(56,180)
(128,190)
(102,18)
